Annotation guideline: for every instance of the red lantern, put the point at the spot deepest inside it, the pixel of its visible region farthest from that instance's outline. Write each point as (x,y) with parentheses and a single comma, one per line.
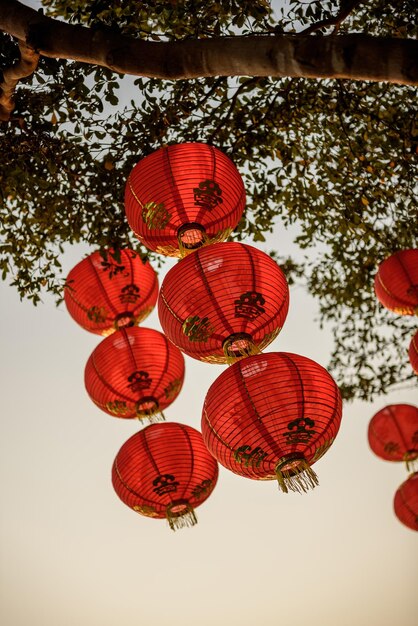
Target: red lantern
(393,433)
(413,352)
(165,471)
(223,302)
(103,294)
(396,282)
(272,416)
(136,372)
(405,502)
(182,197)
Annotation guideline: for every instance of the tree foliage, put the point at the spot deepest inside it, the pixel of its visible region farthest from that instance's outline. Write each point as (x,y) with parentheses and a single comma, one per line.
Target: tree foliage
(335,158)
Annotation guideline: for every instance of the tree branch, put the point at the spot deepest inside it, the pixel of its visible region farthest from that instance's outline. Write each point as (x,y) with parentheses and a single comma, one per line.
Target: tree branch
(25,66)
(348,7)
(355,56)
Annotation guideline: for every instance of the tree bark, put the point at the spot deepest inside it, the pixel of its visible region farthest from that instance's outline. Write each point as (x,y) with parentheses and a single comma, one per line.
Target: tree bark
(354,56)
(25,66)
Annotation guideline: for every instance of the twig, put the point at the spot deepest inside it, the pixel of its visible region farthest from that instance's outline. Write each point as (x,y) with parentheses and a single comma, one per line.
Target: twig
(349,7)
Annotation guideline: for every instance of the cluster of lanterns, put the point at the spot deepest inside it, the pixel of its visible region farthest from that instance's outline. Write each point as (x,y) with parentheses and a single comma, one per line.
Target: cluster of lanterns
(393,431)
(268,416)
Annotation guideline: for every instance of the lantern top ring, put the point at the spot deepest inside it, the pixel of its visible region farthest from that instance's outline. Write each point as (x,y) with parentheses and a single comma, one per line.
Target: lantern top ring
(148,405)
(124,320)
(238,345)
(191,235)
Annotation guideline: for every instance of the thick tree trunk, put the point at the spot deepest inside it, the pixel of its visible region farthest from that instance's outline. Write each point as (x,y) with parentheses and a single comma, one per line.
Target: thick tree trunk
(355,57)
(26,65)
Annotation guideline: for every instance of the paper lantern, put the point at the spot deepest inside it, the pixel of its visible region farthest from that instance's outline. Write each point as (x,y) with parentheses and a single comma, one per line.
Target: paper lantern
(136,372)
(184,196)
(396,282)
(223,302)
(103,294)
(413,352)
(165,471)
(272,416)
(393,433)
(405,502)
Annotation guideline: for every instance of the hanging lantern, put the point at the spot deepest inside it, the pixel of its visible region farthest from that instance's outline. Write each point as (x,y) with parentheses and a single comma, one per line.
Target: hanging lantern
(104,293)
(165,471)
(393,433)
(405,502)
(184,196)
(272,416)
(396,282)
(136,372)
(413,352)
(223,302)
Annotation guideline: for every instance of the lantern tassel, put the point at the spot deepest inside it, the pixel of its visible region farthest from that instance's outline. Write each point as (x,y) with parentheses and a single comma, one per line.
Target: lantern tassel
(180,514)
(295,474)
(411,461)
(153,418)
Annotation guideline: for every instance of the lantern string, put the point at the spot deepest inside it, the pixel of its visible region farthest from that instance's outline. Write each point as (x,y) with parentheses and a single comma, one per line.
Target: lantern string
(295,474)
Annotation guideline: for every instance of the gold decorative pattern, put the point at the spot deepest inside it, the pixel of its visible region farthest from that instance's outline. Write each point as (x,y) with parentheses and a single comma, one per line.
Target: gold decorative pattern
(97,314)
(145,509)
(197,329)
(155,215)
(117,407)
(172,388)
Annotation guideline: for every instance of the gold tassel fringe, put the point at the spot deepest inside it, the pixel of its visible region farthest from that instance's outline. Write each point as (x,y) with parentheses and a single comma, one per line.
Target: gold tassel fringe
(411,461)
(152,418)
(295,474)
(180,514)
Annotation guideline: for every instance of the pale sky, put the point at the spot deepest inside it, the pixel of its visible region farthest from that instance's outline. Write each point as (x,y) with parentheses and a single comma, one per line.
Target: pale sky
(73,555)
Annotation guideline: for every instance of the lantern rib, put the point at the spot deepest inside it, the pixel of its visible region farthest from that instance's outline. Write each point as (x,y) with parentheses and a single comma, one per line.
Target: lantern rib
(217,308)
(404,500)
(101,288)
(104,382)
(185,489)
(169,307)
(148,451)
(179,201)
(400,432)
(127,487)
(215,432)
(167,357)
